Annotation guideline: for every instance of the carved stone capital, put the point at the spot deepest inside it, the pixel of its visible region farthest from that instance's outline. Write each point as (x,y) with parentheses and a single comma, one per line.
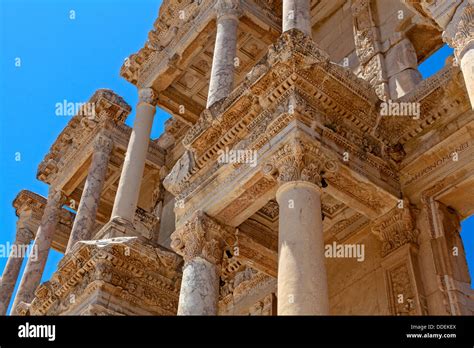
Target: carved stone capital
(396,228)
(23,236)
(103,142)
(464,37)
(228,9)
(56,199)
(148,96)
(299,161)
(202,236)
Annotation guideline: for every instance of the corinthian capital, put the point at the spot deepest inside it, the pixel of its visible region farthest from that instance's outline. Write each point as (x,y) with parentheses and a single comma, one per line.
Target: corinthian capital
(148,96)
(56,199)
(23,235)
(299,161)
(464,38)
(228,8)
(202,236)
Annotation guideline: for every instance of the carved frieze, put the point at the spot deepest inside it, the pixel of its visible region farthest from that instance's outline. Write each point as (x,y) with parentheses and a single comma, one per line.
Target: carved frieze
(146,279)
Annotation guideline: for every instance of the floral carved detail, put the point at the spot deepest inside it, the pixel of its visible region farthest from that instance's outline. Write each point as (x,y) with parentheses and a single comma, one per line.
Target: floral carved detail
(300,161)
(228,8)
(464,37)
(403,295)
(148,96)
(202,236)
(396,229)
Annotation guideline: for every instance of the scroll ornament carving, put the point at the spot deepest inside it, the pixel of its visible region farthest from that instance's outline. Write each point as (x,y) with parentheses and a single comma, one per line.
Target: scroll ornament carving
(202,236)
(396,229)
(464,37)
(299,161)
(148,96)
(402,288)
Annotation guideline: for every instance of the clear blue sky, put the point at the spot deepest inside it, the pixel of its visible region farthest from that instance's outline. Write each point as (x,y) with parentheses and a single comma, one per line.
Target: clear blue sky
(63,58)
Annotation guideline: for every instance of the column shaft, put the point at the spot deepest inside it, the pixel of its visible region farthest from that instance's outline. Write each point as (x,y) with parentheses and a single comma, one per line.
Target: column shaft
(467,67)
(39,254)
(223,61)
(199,288)
(297,15)
(87,211)
(134,164)
(302,280)
(201,242)
(12,268)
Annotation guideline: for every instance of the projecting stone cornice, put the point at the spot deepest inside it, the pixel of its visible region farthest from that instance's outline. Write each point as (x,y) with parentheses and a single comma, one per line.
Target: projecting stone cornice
(178,24)
(105,270)
(29,208)
(104,106)
(27,200)
(295,81)
(440,98)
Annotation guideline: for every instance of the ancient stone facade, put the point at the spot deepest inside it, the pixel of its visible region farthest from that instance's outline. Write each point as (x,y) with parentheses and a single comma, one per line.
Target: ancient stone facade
(307,169)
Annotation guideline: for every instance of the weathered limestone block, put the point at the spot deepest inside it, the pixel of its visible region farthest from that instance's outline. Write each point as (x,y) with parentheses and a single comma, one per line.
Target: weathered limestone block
(402,69)
(403,82)
(296,15)
(400,57)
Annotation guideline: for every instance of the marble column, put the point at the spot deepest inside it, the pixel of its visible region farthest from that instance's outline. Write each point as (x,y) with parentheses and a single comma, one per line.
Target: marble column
(302,282)
(456,18)
(297,15)
(12,268)
(201,242)
(223,62)
(89,204)
(459,34)
(39,254)
(402,68)
(134,164)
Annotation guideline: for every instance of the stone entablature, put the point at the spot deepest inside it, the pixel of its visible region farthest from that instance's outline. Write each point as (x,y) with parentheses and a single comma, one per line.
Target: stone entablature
(107,106)
(29,208)
(122,275)
(289,59)
(329,169)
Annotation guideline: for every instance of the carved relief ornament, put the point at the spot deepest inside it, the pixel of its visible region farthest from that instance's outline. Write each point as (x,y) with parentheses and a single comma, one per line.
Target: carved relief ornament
(299,161)
(396,228)
(202,236)
(148,96)
(464,38)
